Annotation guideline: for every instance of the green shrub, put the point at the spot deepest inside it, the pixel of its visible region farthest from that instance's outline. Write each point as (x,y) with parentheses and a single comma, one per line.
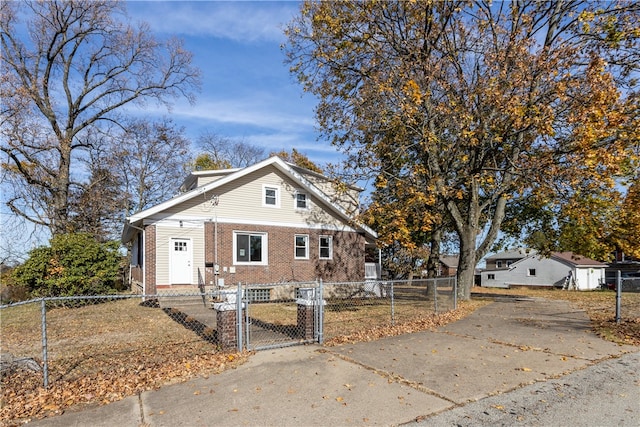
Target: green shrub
(73,264)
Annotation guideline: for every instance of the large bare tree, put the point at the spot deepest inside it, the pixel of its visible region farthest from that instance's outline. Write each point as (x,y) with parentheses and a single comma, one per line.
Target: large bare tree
(474,104)
(67,67)
(150,160)
(219,152)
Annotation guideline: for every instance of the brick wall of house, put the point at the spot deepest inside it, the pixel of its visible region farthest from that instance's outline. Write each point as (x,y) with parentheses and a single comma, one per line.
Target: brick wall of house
(347,263)
(150,259)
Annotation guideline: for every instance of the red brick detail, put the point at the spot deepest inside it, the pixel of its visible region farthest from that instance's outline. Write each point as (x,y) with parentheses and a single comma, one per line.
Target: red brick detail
(227,329)
(150,259)
(306,320)
(347,263)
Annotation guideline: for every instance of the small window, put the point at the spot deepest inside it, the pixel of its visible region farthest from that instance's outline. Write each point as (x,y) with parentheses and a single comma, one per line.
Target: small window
(271,196)
(326,247)
(491,276)
(301,201)
(250,248)
(531,272)
(302,246)
(180,246)
(258,295)
(509,263)
(498,264)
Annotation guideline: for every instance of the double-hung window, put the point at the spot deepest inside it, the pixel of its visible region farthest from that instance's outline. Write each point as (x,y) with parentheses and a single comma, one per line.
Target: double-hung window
(271,196)
(301,201)
(326,247)
(301,246)
(250,248)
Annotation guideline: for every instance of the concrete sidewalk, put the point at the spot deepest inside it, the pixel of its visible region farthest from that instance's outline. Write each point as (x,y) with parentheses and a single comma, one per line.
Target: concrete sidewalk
(499,348)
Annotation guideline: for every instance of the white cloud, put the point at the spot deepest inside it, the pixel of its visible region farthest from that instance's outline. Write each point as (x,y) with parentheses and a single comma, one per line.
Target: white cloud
(247,112)
(242,21)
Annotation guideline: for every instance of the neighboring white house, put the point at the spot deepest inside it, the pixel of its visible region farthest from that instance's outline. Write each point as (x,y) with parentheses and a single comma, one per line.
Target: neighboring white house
(561,269)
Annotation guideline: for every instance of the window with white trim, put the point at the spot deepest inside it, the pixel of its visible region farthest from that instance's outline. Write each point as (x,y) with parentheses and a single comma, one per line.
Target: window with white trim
(250,248)
(326,247)
(301,246)
(301,201)
(498,264)
(491,276)
(271,196)
(531,272)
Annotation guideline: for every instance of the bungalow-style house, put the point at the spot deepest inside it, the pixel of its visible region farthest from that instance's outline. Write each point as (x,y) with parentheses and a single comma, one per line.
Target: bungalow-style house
(266,223)
(561,269)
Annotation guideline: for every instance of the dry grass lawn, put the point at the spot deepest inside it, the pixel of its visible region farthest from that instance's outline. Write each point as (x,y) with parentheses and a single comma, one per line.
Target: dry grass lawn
(99,354)
(104,352)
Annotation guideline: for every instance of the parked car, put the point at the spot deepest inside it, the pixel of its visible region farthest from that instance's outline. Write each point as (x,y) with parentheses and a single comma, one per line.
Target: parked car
(611,278)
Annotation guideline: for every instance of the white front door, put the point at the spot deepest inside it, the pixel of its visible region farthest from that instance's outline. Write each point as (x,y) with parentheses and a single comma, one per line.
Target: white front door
(181,271)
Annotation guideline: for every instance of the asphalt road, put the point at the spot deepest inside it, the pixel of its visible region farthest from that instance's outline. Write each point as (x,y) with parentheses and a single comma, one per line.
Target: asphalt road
(604,394)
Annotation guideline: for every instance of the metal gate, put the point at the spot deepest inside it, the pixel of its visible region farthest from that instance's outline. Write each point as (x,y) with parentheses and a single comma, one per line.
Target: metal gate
(281,315)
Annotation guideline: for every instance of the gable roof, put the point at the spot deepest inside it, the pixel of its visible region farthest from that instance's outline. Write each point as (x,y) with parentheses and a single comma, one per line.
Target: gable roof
(512,254)
(577,260)
(450,261)
(134,221)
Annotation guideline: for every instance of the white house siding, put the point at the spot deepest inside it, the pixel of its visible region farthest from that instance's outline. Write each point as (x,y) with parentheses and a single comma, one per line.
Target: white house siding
(242,201)
(588,278)
(548,273)
(349,200)
(164,233)
(498,280)
(202,180)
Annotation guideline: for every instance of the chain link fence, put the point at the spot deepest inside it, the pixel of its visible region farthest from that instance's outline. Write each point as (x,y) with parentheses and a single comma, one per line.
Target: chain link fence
(630,284)
(68,338)
(76,337)
(355,307)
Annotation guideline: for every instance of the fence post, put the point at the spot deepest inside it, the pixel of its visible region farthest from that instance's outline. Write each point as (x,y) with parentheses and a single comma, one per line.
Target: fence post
(321,312)
(45,356)
(308,313)
(618,296)
(455,292)
(393,308)
(239,304)
(229,320)
(435,294)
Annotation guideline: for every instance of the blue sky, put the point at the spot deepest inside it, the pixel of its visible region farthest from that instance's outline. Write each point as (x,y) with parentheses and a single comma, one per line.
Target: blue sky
(247,91)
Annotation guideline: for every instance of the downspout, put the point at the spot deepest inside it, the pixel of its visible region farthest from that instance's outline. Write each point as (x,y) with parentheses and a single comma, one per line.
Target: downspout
(144,263)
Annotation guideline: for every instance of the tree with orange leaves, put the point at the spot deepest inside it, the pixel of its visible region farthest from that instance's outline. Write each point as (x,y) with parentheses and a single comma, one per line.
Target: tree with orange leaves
(478,106)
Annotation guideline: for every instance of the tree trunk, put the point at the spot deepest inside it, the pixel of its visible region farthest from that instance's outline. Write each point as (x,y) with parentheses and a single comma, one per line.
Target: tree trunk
(60,219)
(434,254)
(467,263)
(433,260)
